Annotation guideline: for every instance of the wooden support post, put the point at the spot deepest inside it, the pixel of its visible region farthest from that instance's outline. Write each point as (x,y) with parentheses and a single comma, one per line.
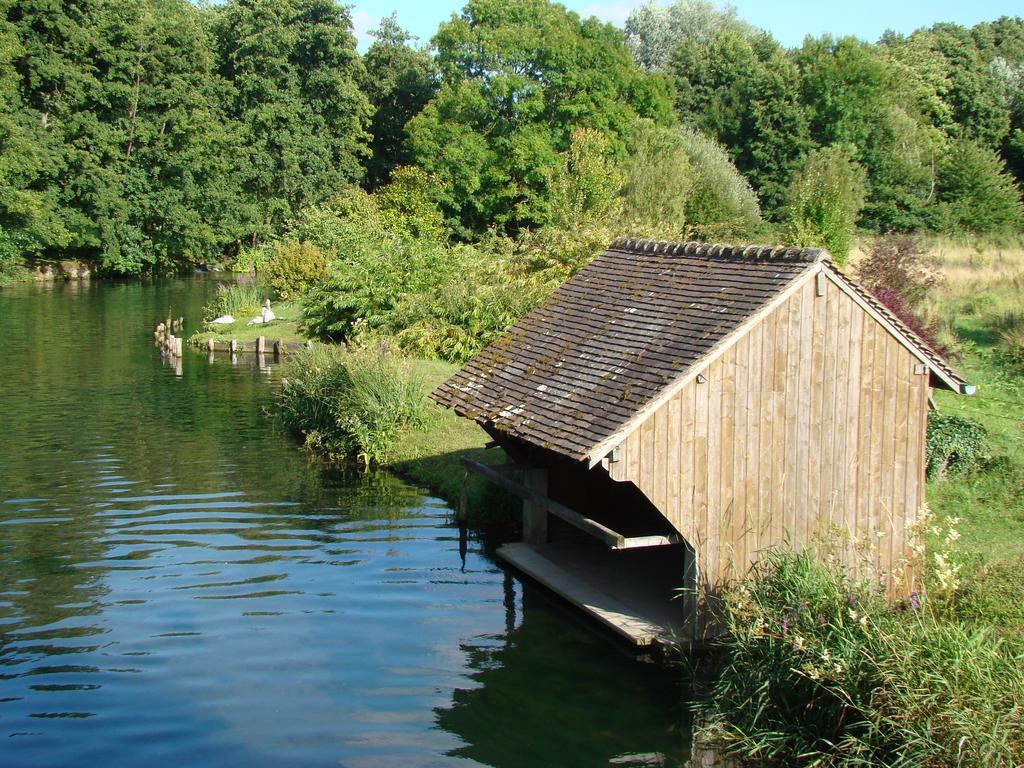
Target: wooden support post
(210,346)
(690,629)
(233,346)
(277,349)
(261,345)
(535,516)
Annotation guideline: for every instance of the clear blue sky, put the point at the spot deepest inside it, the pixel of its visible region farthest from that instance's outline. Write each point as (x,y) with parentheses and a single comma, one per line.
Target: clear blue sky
(788,20)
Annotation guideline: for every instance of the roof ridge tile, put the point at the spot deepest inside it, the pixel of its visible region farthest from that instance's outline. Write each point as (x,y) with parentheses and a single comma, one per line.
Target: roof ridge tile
(694,248)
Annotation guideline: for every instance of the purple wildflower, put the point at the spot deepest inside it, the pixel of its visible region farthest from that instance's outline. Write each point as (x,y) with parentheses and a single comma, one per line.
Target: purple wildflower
(915,603)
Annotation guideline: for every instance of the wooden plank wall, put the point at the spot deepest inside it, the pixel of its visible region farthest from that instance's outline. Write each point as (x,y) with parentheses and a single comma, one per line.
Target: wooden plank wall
(809,429)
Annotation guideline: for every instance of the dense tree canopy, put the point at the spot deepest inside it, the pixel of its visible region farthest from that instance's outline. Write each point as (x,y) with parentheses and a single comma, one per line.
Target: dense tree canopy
(399,81)
(148,135)
(517,77)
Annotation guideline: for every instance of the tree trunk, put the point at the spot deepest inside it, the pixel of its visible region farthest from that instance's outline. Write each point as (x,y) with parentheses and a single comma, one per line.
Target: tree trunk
(133,113)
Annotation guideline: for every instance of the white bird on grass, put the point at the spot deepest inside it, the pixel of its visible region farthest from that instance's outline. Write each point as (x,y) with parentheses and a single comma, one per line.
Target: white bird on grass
(266,314)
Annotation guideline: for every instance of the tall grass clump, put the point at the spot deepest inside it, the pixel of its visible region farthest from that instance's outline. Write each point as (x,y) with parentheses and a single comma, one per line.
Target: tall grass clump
(819,669)
(351,404)
(239,300)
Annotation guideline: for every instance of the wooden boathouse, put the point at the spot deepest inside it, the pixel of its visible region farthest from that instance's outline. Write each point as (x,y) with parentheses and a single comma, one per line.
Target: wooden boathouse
(676,409)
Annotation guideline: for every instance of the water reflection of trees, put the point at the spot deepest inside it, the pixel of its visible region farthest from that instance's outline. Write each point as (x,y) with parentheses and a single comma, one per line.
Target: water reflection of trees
(535,700)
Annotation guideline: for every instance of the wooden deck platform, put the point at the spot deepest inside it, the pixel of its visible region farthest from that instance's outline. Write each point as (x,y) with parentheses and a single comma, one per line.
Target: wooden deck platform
(632,592)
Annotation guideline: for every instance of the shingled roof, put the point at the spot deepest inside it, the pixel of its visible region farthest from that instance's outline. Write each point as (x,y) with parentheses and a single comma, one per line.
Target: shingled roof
(575,370)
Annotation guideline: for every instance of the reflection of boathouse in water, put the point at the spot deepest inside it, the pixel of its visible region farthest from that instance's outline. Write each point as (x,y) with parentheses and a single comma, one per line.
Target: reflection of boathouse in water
(527,701)
(676,409)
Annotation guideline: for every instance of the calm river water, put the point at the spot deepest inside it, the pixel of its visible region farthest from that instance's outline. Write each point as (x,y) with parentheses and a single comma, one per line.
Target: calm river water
(179,585)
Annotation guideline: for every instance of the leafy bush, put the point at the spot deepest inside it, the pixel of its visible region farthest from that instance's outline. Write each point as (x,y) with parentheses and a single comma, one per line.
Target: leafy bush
(366,283)
(350,404)
(408,206)
(294,267)
(681,183)
(435,301)
(239,300)
(457,317)
(657,183)
(251,260)
(586,185)
(817,669)
(349,221)
(956,445)
(721,205)
(899,263)
(825,198)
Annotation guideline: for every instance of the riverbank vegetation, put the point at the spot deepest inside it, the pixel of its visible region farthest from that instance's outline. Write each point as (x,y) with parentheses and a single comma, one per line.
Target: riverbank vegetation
(819,669)
(371,406)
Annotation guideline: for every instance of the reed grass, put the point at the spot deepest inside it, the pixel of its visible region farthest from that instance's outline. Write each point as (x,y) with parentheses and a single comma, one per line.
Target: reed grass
(240,300)
(819,670)
(351,404)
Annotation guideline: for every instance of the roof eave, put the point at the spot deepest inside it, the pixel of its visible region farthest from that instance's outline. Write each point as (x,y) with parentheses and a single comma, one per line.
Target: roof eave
(938,377)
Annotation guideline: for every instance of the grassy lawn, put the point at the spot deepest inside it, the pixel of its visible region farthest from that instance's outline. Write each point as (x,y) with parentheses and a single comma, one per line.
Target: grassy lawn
(982,297)
(286,326)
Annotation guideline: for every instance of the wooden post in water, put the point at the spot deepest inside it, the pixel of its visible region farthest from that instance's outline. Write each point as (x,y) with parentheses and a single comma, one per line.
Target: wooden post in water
(233,346)
(210,346)
(277,350)
(261,345)
(535,517)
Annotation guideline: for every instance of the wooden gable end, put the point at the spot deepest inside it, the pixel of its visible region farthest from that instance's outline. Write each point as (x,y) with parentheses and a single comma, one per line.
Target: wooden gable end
(809,426)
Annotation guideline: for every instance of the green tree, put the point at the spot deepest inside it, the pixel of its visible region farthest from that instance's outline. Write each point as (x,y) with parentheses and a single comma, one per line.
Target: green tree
(975,193)
(169,200)
(976,98)
(745,92)
(517,77)
(63,173)
(856,97)
(294,72)
(29,219)
(399,80)
(825,199)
